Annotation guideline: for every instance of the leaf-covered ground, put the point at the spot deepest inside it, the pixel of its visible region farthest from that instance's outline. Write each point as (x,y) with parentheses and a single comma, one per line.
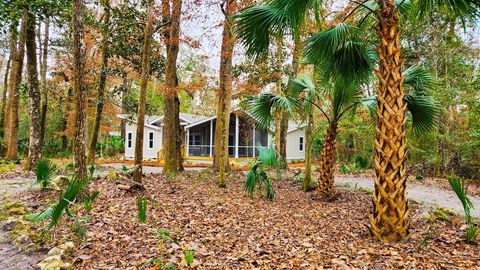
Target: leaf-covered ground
(229,230)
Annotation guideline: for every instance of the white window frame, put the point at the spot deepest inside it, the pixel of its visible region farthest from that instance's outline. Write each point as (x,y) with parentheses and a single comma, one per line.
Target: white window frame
(129,140)
(151,139)
(301,144)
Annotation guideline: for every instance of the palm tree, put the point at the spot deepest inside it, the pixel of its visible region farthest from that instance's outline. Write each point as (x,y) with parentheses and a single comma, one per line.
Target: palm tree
(389,219)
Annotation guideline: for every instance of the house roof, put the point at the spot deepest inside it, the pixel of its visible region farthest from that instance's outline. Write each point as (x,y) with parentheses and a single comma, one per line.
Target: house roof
(191,120)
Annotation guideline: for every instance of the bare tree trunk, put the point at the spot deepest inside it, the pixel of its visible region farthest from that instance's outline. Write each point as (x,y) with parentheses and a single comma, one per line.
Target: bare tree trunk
(11,82)
(12,151)
(125,84)
(34,148)
(281,117)
(389,221)
(224,94)
(137,173)
(68,108)
(4,96)
(80,91)
(101,85)
(172,131)
(43,73)
(307,181)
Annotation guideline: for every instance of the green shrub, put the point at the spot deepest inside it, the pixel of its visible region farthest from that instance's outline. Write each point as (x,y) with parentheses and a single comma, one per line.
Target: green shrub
(44,173)
(345,169)
(361,162)
(419,177)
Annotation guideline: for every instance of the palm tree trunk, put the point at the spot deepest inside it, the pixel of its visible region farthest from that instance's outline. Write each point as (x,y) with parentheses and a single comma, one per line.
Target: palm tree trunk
(172,131)
(43,71)
(12,151)
(307,184)
(327,163)
(390,208)
(34,148)
(224,95)
(79,89)
(101,86)
(137,173)
(281,117)
(4,96)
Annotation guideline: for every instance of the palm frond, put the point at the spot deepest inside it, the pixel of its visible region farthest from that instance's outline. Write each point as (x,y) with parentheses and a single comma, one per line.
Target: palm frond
(267,156)
(424,112)
(340,54)
(44,172)
(263,106)
(255,27)
(418,78)
(461,9)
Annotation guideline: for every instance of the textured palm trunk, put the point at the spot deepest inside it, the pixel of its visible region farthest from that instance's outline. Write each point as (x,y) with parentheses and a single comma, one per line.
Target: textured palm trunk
(307,184)
(327,163)
(34,148)
(281,117)
(101,86)
(4,96)
(43,71)
(12,150)
(137,173)
(172,141)
(390,208)
(224,95)
(80,91)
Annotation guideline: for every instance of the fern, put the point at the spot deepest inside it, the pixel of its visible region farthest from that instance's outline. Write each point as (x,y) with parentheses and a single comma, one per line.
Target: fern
(142,209)
(44,173)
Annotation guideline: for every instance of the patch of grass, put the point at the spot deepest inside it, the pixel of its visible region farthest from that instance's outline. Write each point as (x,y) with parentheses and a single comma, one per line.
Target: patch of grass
(189,256)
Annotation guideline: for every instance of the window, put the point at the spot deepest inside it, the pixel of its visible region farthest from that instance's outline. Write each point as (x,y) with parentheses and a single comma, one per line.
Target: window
(301,146)
(129,139)
(150,140)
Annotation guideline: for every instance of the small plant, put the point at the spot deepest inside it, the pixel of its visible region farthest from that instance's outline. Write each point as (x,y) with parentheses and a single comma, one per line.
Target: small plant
(345,169)
(426,237)
(70,167)
(361,162)
(79,228)
(44,173)
(68,197)
(458,186)
(88,200)
(189,256)
(142,209)
(267,158)
(165,235)
(419,177)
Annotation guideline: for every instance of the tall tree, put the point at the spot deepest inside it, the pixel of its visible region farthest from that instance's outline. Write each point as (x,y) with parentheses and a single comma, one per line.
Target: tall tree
(224,93)
(172,138)
(13,103)
(4,95)
(101,82)
(34,147)
(43,74)
(79,89)
(137,173)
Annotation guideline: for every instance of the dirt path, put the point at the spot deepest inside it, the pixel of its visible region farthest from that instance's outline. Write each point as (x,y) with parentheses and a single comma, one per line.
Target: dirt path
(11,257)
(429,196)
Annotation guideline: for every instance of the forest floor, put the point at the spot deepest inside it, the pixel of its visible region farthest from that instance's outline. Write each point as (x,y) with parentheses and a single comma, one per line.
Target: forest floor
(228,230)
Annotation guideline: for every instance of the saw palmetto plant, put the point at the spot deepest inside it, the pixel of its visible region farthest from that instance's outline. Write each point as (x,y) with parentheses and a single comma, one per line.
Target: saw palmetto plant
(254,26)
(460,189)
(44,172)
(257,176)
(67,199)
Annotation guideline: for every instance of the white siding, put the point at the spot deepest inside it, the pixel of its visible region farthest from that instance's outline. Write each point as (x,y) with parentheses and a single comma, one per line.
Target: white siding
(148,153)
(293,145)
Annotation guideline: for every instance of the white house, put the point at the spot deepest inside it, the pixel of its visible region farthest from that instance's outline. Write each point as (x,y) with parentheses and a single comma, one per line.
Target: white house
(198,133)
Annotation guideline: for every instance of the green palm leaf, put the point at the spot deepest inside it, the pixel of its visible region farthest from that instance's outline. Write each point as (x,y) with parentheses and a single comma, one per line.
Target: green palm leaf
(419,78)
(458,8)
(423,110)
(263,106)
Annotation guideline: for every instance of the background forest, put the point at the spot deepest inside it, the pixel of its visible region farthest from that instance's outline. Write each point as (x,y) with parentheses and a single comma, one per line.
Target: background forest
(448,49)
